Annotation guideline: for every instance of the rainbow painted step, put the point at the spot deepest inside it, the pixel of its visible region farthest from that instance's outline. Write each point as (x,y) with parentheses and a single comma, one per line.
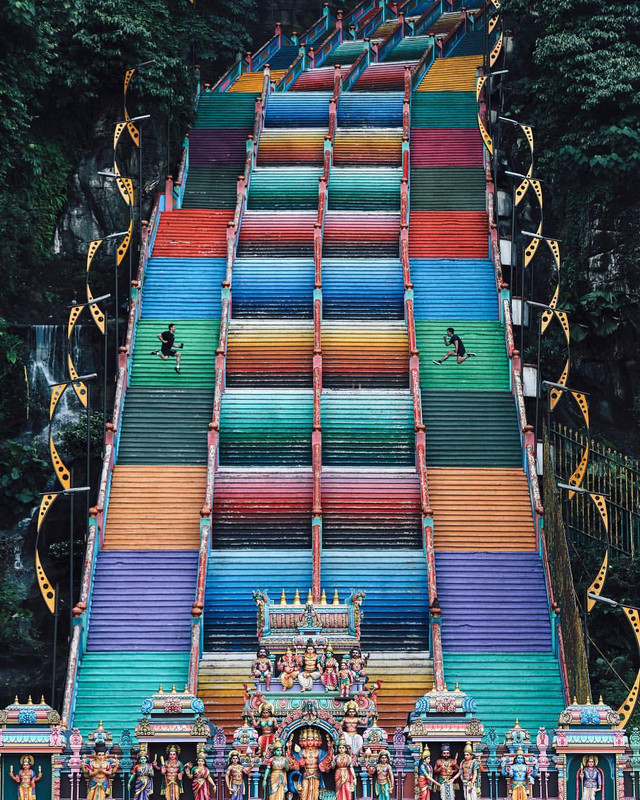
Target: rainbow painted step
(463,289)
(185,288)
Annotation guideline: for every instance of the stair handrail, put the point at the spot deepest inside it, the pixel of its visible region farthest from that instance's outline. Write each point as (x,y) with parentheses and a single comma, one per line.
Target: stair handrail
(424,64)
(359,11)
(371,24)
(213,434)
(357,68)
(448,42)
(320,26)
(180,183)
(427,19)
(97,513)
(300,64)
(392,39)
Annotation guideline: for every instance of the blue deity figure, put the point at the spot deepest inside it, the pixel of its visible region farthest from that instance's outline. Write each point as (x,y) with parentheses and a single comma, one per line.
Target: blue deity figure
(520,775)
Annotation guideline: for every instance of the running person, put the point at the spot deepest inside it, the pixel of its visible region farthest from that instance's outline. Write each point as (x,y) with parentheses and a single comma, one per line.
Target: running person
(452,338)
(167,350)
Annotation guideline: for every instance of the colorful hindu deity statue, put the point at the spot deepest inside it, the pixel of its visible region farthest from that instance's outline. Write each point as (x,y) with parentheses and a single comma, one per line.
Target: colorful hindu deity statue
(275,776)
(520,776)
(311,667)
(358,664)
(345,775)
(203,785)
(382,774)
(26,778)
(172,771)
(142,777)
(330,668)
(350,724)
(446,770)
(234,776)
(589,779)
(288,665)
(425,775)
(99,770)
(266,724)
(470,774)
(311,759)
(261,668)
(345,680)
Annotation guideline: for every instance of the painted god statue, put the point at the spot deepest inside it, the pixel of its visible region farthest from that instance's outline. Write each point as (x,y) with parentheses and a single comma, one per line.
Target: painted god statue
(141,778)
(203,786)
(426,781)
(275,776)
(520,776)
(345,680)
(172,772)
(358,664)
(470,774)
(261,667)
(446,770)
(589,779)
(311,759)
(311,668)
(288,665)
(265,724)
(234,777)
(330,667)
(26,778)
(350,723)
(99,770)
(345,775)
(382,774)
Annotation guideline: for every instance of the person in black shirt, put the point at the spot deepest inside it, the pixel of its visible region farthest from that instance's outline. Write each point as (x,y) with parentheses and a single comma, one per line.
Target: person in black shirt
(452,338)
(167,351)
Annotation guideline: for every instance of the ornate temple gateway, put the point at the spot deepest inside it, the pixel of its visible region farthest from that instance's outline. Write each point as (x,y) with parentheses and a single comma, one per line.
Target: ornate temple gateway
(317,568)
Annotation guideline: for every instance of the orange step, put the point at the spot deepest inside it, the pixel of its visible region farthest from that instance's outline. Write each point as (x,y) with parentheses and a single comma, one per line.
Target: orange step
(451,75)
(404,677)
(481,509)
(155,508)
(221,678)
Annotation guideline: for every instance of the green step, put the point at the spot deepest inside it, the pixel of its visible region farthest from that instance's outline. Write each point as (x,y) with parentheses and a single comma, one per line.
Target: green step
(226,110)
(364,189)
(211,187)
(488,371)
(448,189)
(165,426)
(197,367)
(471,429)
(112,686)
(509,686)
(444,110)
(284,189)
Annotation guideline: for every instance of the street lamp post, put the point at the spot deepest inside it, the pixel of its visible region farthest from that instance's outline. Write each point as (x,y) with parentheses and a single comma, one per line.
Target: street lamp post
(117,301)
(126,122)
(543,307)
(121,182)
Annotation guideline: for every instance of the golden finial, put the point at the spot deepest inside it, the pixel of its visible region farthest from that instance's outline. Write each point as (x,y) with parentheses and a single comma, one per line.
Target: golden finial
(283,598)
(323,598)
(186,688)
(29,701)
(160,690)
(589,703)
(309,597)
(16,702)
(600,701)
(457,689)
(336,599)
(575,701)
(42,700)
(296,599)
(173,688)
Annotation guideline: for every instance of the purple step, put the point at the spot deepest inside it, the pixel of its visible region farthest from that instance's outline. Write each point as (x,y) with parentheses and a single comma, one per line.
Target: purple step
(210,147)
(142,600)
(493,602)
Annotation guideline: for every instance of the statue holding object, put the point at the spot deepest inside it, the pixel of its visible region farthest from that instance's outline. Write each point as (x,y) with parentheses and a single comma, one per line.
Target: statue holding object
(330,668)
(266,724)
(311,759)
(311,667)
(447,771)
(288,665)
(261,668)
(520,776)
(350,723)
(382,774)
(172,771)
(358,664)
(345,775)
(425,775)
(99,770)
(470,774)
(275,776)
(345,680)
(203,786)
(26,778)
(234,776)
(142,777)
(589,778)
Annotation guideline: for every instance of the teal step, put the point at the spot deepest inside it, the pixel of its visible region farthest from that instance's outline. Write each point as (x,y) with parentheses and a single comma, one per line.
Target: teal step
(509,686)
(448,189)
(112,686)
(226,110)
(284,188)
(365,188)
(211,187)
(471,429)
(444,110)
(488,371)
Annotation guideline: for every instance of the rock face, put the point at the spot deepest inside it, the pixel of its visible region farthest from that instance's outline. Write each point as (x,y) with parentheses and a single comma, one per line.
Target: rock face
(94,207)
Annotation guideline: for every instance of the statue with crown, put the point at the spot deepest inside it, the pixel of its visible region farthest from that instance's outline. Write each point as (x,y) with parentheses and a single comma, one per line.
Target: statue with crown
(520,775)
(308,759)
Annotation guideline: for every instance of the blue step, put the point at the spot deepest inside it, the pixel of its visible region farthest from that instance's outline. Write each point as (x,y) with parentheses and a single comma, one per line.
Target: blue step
(446,288)
(232,575)
(396,607)
(298,110)
(362,288)
(370,110)
(188,288)
(257,294)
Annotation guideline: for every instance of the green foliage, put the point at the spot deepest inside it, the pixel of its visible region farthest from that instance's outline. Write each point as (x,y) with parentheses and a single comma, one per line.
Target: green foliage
(74,438)
(16,628)
(23,472)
